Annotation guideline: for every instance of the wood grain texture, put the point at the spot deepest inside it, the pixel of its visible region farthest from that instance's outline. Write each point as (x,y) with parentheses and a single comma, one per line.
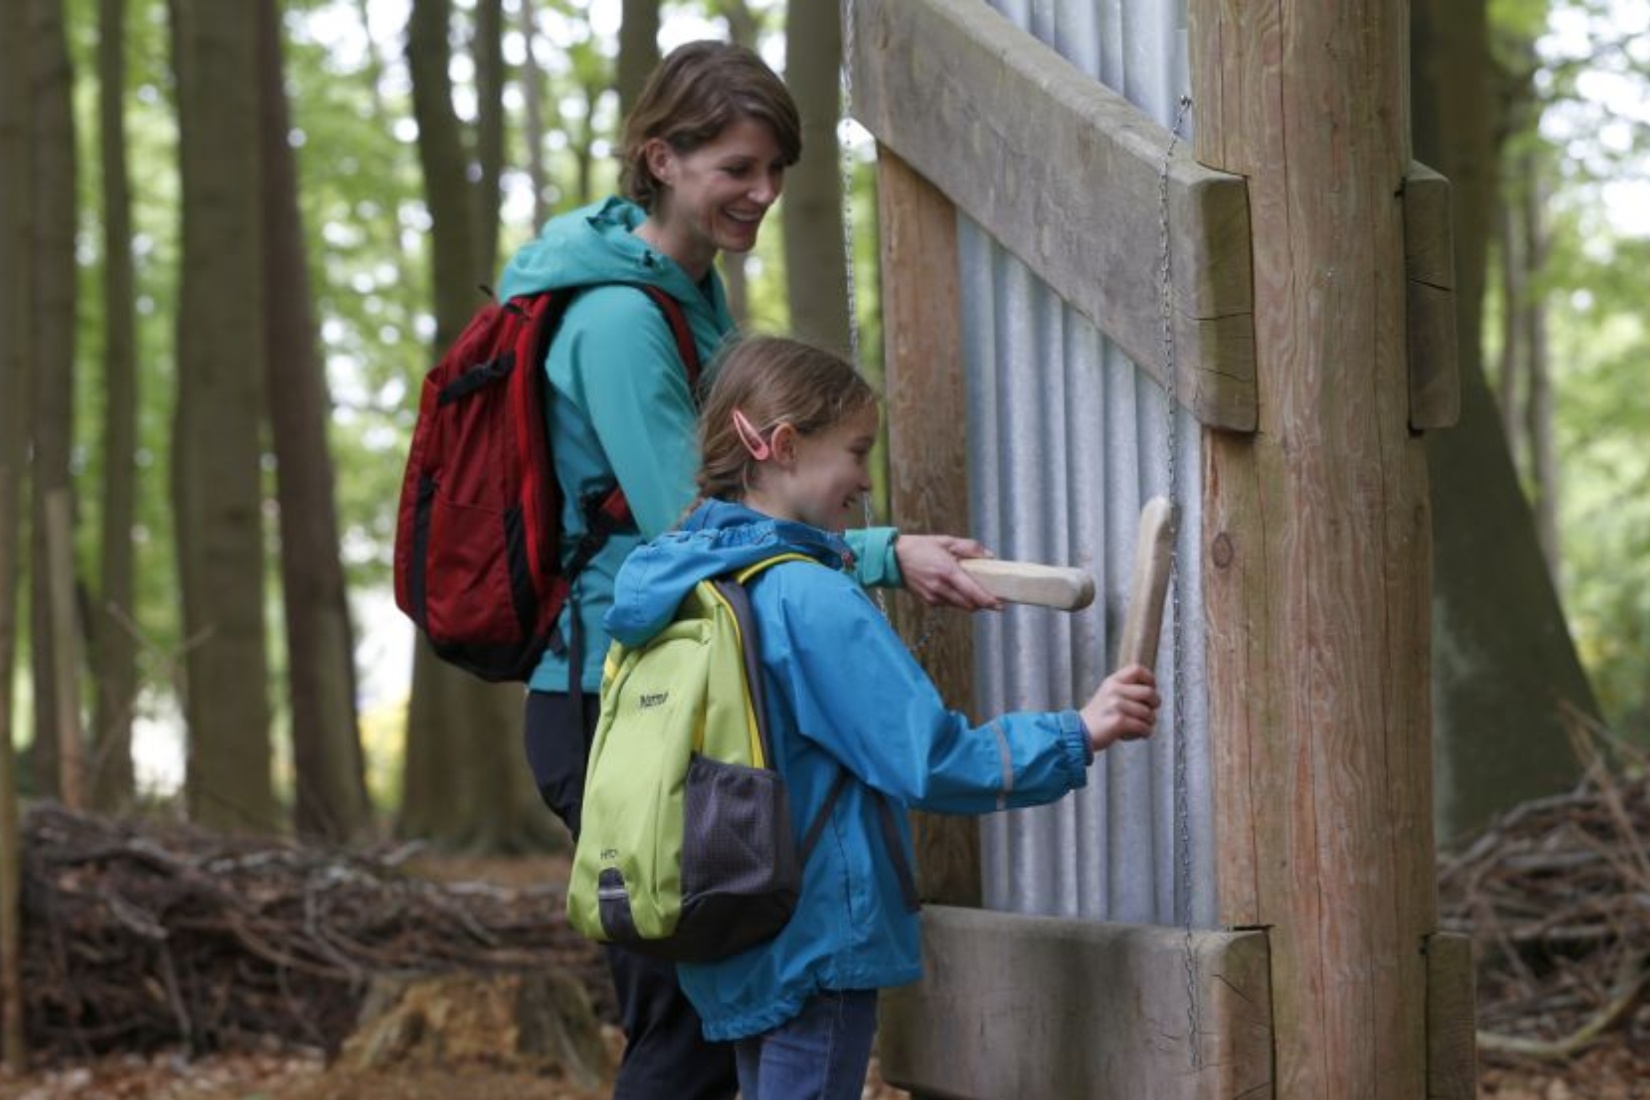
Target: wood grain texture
(1153,557)
(1317,552)
(1429,267)
(1044,1008)
(928,465)
(1057,586)
(1065,174)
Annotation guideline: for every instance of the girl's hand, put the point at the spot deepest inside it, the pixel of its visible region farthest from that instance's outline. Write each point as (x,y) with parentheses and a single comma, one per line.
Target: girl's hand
(929,565)
(1123,709)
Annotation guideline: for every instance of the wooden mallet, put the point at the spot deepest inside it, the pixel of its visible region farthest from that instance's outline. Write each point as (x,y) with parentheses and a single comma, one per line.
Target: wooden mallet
(1153,557)
(1060,587)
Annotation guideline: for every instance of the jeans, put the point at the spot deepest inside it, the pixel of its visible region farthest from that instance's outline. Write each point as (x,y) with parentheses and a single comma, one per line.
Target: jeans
(823,1053)
(666,1055)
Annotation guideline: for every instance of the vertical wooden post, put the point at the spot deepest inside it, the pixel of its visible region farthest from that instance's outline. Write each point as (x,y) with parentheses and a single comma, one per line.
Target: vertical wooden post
(1317,543)
(927,410)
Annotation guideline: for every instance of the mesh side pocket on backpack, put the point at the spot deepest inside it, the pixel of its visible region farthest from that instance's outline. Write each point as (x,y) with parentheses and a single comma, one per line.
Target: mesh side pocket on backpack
(740,876)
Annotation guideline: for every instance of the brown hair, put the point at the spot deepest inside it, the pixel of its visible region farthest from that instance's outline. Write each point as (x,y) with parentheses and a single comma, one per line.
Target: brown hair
(772,380)
(694,94)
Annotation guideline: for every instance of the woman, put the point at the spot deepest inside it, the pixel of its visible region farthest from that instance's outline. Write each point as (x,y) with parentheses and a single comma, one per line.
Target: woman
(704,156)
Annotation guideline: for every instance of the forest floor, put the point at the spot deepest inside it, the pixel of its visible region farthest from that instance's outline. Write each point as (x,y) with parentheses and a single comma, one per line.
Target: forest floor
(1616,1068)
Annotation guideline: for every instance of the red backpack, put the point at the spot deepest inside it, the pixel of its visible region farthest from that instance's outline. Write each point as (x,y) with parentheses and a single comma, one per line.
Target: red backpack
(478,539)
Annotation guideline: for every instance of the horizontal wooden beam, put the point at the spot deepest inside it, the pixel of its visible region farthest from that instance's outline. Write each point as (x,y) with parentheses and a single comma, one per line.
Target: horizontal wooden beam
(1045,1008)
(1429,280)
(1069,177)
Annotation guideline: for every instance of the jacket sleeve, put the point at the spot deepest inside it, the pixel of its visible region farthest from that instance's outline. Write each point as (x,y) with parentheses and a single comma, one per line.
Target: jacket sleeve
(874,561)
(858,693)
(631,382)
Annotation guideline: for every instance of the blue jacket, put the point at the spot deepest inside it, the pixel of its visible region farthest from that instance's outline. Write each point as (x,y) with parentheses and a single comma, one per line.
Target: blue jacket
(842,692)
(620,409)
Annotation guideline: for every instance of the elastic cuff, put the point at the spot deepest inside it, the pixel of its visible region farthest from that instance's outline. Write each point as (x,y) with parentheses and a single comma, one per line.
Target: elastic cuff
(1074,739)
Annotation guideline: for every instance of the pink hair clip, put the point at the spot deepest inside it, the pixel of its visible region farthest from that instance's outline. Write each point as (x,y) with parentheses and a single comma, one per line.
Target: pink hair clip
(751,438)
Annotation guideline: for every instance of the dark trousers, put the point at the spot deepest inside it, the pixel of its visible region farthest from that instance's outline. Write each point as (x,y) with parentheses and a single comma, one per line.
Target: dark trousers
(666,1056)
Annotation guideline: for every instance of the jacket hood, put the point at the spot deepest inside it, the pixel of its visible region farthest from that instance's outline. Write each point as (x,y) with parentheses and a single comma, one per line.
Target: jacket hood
(594,245)
(716,538)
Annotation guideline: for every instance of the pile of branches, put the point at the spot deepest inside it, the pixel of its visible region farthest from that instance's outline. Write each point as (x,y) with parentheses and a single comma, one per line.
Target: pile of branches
(1556,895)
(141,937)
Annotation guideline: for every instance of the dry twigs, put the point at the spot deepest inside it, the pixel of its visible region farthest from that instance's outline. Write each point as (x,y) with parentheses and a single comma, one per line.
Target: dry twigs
(137,938)
(1556,895)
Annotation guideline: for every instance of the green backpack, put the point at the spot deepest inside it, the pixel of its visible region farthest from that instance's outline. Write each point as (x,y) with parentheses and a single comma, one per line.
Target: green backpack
(686,850)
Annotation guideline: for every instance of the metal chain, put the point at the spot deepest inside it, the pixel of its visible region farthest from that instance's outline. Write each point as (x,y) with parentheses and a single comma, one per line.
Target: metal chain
(1182,799)
(845,167)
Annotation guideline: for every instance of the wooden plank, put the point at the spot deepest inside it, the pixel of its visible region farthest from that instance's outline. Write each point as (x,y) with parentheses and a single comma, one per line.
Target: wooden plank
(1318,581)
(1429,270)
(1066,174)
(928,466)
(1452,1041)
(1045,1008)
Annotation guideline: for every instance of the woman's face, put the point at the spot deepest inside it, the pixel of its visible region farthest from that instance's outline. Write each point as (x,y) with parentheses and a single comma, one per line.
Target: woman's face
(715,197)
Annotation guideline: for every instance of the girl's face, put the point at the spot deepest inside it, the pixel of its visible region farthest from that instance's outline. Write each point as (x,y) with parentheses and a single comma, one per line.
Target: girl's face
(818,479)
(716,196)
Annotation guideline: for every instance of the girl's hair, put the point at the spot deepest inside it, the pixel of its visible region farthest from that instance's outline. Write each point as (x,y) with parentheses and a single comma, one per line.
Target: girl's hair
(694,94)
(771,380)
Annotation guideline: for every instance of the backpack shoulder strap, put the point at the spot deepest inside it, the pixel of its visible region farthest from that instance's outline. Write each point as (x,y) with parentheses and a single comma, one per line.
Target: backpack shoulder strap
(886,823)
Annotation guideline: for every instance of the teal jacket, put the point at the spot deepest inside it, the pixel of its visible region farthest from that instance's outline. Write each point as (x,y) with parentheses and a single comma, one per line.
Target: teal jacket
(620,410)
(842,693)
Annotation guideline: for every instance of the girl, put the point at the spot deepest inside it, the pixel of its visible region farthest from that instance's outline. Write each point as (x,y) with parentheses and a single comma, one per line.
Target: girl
(784,439)
(704,156)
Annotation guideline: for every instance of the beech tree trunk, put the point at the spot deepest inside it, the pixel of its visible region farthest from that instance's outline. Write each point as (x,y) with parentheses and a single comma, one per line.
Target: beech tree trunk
(115,648)
(52,271)
(15,312)
(532,94)
(466,781)
(638,50)
(815,265)
(489,153)
(331,796)
(1503,660)
(216,455)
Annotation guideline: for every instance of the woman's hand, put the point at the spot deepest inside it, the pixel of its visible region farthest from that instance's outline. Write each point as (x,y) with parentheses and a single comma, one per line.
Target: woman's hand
(1123,709)
(929,566)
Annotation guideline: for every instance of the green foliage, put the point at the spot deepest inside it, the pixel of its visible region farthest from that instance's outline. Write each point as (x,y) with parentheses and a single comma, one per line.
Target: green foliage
(1585,66)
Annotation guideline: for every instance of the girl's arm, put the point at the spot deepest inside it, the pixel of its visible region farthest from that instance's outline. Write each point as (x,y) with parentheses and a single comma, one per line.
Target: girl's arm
(861,697)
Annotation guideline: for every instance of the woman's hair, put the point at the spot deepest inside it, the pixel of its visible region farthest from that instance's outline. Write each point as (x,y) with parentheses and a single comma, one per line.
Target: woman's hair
(694,94)
(771,380)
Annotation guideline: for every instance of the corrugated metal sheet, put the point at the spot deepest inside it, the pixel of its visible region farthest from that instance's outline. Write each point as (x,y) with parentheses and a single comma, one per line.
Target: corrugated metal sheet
(1070,440)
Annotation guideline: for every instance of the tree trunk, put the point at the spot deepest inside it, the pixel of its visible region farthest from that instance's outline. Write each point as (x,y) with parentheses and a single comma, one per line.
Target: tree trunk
(216,457)
(15,312)
(115,648)
(331,796)
(532,94)
(466,779)
(1538,413)
(51,360)
(489,61)
(1513,292)
(815,271)
(1503,661)
(638,51)
(742,29)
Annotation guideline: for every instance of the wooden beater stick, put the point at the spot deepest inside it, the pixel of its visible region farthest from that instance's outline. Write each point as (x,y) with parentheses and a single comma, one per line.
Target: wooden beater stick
(1056,586)
(1153,550)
